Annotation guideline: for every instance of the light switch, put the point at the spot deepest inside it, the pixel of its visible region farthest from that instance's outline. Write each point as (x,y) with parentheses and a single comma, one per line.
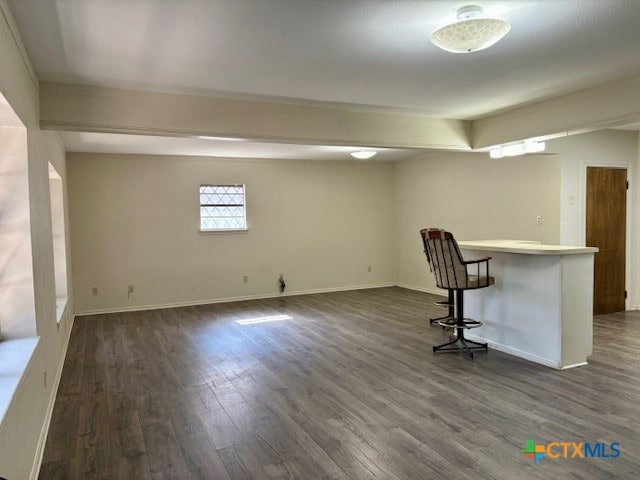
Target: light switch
(571,200)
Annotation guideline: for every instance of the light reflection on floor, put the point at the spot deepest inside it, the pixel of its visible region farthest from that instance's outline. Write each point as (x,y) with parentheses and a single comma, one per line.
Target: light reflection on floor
(270,318)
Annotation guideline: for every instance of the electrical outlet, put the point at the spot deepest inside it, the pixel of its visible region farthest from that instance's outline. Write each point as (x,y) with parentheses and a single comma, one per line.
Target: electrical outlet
(94,290)
(130,289)
(538,220)
(369,269)
(245,279)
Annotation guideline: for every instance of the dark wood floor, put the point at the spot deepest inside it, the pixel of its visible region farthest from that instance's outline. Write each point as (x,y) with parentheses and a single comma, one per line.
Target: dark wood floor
(344,385)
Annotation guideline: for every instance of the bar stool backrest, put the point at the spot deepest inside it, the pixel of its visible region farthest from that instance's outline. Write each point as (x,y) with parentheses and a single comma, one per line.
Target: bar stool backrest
(445,259)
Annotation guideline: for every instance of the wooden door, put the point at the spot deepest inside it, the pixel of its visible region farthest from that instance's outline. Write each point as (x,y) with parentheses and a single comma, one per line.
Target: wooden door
(606,229)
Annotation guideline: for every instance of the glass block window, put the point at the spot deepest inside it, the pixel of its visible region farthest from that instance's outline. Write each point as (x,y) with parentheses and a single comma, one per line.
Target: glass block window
(222,207)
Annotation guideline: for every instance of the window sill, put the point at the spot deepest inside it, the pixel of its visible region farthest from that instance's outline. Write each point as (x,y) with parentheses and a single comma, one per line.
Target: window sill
(15,356)
(240,230)
(61,305)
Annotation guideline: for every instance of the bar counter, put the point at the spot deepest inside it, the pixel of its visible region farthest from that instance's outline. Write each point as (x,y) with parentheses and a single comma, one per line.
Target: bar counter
(541,306)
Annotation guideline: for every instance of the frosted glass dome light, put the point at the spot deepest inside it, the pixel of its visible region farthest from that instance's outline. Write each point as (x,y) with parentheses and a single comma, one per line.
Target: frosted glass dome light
(363,154)
(471,32)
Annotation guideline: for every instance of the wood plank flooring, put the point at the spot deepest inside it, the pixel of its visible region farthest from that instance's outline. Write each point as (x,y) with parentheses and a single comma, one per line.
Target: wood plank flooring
(330,386)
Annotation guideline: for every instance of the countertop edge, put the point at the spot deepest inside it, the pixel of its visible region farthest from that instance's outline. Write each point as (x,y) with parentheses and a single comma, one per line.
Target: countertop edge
(500,247)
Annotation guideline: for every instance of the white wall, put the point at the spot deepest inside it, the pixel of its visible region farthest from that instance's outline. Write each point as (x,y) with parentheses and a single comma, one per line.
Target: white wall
(135,221)
(601,148)
(21,431)
(475,197)
(56,195)
(17,316)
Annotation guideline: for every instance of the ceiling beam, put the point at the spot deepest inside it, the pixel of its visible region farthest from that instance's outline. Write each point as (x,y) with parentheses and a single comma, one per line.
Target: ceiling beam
(111,110)
(604,106)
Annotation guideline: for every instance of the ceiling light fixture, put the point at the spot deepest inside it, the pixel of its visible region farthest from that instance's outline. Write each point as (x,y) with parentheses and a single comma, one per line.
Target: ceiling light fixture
(363,154)
(515,149)
(222,139)
(471,32)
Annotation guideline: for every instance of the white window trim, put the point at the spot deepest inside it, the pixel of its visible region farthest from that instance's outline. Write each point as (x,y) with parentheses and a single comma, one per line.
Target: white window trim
(223,230)
(218,232)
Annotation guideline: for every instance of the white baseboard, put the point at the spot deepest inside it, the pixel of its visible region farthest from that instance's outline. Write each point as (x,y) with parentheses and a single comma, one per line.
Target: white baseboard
(515,352)
(434,291)
(581,364)
(522,354)
(230,299)
(44,433)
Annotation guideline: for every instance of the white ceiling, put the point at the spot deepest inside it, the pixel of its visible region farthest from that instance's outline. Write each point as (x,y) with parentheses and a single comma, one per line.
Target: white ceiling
(633,126)
(150,145)
(367,52)
(370,53)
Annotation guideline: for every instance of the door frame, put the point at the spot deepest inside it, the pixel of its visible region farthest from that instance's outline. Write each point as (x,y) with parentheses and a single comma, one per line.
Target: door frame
(627,240)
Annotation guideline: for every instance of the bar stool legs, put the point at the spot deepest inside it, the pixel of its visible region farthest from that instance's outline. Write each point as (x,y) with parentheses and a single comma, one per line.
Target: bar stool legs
(449,303)
(459,343)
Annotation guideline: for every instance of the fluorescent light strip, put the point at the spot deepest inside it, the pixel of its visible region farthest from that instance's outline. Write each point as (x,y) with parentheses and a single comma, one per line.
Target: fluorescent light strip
(496,152)
(531,146)
(515,149)
(222,139)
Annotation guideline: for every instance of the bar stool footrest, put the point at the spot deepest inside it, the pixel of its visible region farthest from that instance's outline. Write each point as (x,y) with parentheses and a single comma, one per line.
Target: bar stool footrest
(443,303)
(451,322)
(444,318)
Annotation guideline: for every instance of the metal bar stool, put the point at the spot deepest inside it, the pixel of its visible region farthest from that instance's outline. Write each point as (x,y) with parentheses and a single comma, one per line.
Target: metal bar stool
(452,273)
